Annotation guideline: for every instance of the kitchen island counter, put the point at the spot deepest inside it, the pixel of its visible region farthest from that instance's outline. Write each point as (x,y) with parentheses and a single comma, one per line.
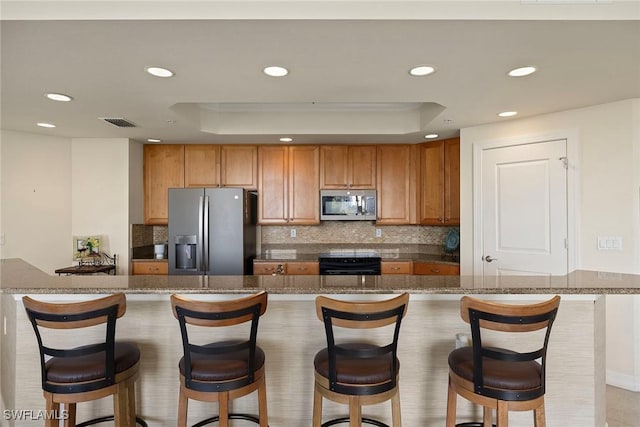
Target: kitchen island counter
(18,276)
(291,334)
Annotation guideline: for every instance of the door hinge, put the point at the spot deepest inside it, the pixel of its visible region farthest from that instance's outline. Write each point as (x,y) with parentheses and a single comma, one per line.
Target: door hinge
(565,161)
(566,243)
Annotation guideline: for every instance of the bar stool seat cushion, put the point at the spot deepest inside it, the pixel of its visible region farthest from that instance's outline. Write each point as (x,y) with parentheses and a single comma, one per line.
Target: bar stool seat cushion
(222,367)
(90,367)
(497,374)
(369,371)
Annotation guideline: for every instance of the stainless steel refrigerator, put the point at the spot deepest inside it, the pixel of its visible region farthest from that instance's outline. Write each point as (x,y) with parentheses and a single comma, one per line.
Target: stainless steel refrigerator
(212,231)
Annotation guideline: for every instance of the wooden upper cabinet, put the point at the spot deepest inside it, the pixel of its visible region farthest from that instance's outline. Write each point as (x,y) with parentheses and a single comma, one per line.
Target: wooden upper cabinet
(288,191)
(395,173)
(239,166)
(440,182)
(163,169)
(201,165)
(344,166)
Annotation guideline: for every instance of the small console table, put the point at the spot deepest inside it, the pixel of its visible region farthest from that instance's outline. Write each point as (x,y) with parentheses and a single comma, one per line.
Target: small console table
(93,267)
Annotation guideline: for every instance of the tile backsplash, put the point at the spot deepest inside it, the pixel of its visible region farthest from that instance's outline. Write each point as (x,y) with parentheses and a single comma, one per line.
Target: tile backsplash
(145,235)
(354,233)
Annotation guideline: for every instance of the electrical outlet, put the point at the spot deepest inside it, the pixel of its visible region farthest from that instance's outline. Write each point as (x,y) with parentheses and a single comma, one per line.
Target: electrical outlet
(378,232)
(293,232)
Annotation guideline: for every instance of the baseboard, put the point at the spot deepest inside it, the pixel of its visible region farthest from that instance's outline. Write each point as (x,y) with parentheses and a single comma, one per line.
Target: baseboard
(625,381)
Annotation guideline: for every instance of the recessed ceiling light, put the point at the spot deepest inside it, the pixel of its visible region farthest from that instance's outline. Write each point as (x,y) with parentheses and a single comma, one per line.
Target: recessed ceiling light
(508,113)
(159,72)
(286,139)
(46,125)
(153,140)
(422,70)
(58,97)
(275,71)
(431,136)
(522,71)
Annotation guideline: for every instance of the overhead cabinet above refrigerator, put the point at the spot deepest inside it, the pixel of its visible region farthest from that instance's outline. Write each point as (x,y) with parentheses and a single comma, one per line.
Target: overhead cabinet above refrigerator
(212,231)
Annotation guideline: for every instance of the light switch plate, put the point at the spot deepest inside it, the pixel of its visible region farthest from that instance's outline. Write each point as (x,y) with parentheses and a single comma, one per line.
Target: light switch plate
(609,243)
(293,232)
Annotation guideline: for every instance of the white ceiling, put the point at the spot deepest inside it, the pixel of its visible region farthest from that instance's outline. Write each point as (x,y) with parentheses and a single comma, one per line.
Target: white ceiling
(348,78)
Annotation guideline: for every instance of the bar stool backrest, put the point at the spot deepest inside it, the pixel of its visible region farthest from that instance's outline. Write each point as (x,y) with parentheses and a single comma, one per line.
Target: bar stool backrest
(361,315)
(219,314)
(501,317)
(74,316)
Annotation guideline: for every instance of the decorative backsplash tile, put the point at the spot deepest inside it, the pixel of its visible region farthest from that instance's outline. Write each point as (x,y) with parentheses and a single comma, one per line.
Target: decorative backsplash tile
(354,233)
(145,235)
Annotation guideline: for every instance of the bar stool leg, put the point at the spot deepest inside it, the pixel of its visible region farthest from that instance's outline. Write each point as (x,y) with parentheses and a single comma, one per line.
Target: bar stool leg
(539,416)
(183,404)
(262,403)
(70,421)
(131,401)
(487,416)
(224,409)
(317,407)
(396,419)
(502,414)
(451,406)
(355,412)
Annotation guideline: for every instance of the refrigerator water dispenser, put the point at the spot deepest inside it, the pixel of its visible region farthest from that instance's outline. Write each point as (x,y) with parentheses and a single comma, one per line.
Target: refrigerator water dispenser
(185,252)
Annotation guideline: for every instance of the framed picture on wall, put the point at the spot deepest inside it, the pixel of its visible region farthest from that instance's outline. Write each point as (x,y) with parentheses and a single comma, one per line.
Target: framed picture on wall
(86,246)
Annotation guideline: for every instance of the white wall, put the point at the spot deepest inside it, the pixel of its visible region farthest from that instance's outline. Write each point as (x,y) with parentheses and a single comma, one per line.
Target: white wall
(56,188)
(136,188)
(608,205)
(36,199)
(100,194)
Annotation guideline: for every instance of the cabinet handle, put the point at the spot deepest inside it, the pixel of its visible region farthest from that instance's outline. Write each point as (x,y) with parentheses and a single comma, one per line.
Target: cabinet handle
(395,268)
(435,270)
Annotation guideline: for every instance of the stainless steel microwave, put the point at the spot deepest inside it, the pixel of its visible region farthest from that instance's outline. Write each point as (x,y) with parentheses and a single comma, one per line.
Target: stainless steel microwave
(348,205)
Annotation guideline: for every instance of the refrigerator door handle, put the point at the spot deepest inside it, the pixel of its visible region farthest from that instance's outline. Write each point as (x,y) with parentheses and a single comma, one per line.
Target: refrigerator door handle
(205,259)
(200,233)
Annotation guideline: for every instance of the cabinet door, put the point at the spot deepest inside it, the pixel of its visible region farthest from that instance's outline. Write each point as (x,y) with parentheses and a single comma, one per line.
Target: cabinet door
(303,268)
(432,194)
(262,268)
(395,267)
(433,268)
(362,166)
(440,182)
(201,165)
(149,268)
(333,166)
(452,182)
(304,190)
(239,166)
(273,172)
(163,169)
(394,184)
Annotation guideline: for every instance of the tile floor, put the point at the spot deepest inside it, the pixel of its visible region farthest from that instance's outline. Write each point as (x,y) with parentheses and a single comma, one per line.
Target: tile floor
(623,407)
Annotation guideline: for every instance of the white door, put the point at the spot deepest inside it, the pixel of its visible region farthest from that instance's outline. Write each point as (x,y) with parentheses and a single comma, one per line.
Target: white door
(524,210)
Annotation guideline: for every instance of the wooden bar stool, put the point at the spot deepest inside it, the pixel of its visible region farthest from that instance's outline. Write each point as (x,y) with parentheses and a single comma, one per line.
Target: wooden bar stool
(222,370)
(358,372)
(498,378)
(88,372)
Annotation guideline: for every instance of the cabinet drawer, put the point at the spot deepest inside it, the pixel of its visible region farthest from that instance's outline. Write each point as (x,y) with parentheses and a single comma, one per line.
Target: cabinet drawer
(395,267)
(268,268)
(149,267)
(436,269)
(306,268)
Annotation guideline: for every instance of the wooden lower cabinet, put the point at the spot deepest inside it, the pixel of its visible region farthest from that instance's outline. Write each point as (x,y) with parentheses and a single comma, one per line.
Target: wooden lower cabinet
(261,268)
(396,267)
(434,268)
(149,268)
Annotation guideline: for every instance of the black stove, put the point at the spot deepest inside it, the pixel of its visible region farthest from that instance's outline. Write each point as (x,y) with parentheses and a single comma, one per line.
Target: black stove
(349,263)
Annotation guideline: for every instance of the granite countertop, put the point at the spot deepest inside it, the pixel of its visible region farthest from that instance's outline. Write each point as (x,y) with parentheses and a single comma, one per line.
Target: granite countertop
(385,255)
(20,277)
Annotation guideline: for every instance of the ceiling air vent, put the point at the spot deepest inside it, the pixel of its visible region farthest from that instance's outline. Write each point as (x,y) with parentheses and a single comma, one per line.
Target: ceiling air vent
(119,122)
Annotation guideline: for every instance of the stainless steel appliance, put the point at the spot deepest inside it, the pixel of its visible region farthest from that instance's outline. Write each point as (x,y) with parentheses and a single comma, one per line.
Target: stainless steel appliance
(348,205)
(349,264)
(212,231)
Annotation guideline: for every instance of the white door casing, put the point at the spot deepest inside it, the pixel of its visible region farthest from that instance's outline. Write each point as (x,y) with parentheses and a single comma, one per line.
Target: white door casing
(523,208)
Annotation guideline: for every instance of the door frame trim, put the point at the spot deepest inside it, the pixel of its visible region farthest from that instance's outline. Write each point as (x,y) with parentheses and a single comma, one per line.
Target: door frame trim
(573,191)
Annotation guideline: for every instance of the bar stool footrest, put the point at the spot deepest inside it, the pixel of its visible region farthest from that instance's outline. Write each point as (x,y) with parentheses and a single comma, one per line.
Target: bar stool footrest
(139,421)
(245,417)
(370,421)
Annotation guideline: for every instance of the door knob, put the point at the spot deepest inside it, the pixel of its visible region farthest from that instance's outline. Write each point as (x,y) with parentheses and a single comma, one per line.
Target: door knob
(489,259)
